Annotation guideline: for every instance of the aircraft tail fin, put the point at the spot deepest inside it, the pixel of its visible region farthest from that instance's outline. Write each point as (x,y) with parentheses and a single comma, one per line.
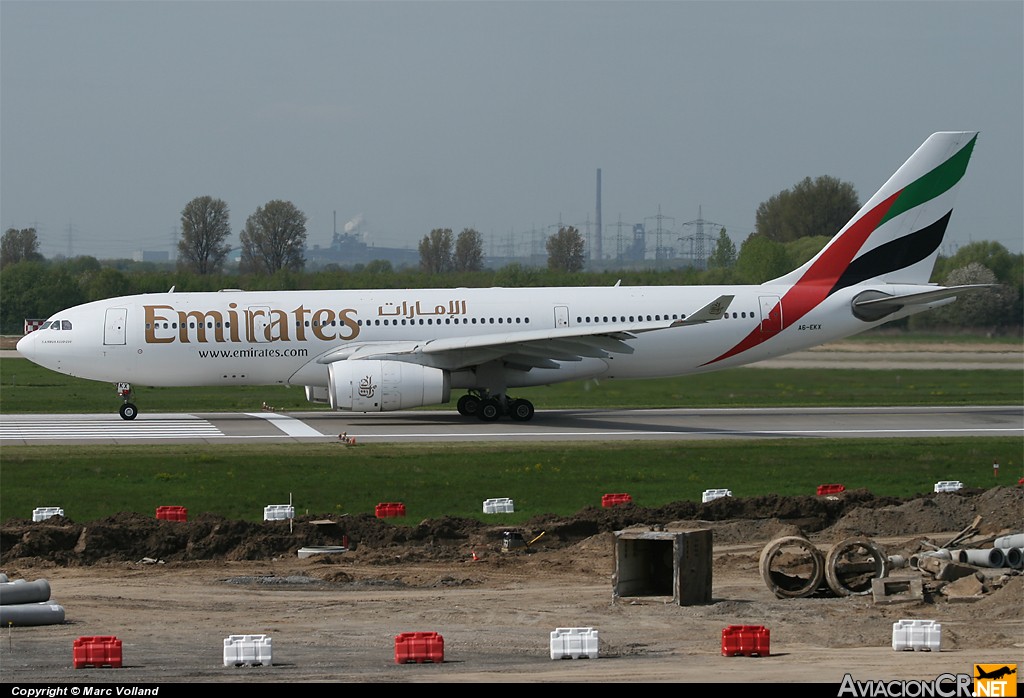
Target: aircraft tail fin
(895,236)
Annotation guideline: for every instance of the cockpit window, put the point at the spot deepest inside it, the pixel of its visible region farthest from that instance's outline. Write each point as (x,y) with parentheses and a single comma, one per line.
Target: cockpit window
(44,325)
(55,325)
(65,324)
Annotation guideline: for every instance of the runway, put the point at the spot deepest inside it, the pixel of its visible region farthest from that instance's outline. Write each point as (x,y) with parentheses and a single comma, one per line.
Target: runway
(437,427)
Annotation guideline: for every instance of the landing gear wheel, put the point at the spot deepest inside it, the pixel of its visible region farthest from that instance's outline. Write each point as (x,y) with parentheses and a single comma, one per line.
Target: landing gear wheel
(468,405)
(128,411)
(521,410)
(490,410)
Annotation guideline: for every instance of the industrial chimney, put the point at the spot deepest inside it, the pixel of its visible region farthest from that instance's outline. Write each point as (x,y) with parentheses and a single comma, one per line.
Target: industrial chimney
(596,253)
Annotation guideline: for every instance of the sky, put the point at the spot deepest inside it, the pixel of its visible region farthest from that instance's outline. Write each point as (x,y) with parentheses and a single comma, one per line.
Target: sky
(394,118)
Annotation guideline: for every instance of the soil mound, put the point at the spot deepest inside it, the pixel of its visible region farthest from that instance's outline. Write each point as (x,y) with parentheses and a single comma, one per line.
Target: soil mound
(132,536)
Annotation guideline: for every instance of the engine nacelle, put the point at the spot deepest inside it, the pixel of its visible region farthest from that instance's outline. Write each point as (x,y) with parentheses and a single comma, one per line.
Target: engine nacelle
(382,386)
(315,393)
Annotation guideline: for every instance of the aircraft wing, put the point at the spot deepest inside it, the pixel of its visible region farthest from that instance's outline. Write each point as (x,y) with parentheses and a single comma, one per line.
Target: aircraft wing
(526,349)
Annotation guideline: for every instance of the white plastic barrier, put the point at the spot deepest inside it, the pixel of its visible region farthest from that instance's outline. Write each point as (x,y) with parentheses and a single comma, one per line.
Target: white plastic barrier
(916,635)
(573,643)
(248,649)
(278,512)
(499,505)
(43,513)
(948,486)
(710,495)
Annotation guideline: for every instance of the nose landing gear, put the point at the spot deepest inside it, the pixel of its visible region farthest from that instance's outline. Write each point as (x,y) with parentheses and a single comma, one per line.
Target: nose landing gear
(128,410)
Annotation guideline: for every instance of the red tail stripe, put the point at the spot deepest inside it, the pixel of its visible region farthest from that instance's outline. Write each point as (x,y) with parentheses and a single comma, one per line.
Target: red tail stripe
(816,284)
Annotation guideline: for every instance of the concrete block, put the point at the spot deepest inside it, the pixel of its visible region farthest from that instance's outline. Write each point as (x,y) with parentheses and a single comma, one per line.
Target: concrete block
(889,590)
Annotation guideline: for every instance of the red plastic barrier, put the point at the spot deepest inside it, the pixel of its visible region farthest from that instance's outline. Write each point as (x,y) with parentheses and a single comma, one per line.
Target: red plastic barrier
(172,513)
(831,489)
(419,648)
(97,651)
(747,640)
(388,509)
(610,500)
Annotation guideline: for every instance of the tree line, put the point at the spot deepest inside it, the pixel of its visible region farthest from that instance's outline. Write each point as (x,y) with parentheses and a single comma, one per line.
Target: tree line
(34,287)
(273,243)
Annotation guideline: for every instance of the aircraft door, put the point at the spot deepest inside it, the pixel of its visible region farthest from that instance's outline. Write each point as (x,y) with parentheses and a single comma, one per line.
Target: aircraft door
(114,326)
(257,321)
(561,316)
(771,315)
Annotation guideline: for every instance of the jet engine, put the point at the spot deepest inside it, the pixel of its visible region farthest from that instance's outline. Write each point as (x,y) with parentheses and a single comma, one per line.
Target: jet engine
(382,386)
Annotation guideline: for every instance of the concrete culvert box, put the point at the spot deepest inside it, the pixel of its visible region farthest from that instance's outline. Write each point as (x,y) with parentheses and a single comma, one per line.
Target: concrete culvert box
(659,563)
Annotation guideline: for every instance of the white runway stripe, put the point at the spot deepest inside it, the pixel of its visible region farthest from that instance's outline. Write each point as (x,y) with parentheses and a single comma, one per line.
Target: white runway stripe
(34,427)
(288,425)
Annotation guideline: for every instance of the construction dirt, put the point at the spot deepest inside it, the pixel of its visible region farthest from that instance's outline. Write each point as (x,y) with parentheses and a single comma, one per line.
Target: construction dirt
(330,595)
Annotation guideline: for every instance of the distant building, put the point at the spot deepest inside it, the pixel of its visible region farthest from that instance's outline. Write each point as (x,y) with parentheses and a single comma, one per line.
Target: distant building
(157,256)
(349,249)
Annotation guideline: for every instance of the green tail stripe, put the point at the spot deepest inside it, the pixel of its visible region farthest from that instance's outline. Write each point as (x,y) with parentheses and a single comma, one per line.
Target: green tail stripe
(932,184)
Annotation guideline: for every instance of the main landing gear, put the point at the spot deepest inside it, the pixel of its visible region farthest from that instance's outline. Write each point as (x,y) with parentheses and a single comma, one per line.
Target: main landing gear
(490,408)
(128,410)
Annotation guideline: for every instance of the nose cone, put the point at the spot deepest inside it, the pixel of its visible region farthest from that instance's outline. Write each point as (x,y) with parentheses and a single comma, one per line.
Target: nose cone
(27,345)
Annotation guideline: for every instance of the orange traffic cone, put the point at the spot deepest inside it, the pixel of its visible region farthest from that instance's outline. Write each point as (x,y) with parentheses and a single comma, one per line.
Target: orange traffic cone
(475,558)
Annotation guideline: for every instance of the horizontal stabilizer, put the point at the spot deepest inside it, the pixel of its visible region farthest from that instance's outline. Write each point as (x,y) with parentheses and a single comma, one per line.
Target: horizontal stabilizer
(893,303)
(875,305)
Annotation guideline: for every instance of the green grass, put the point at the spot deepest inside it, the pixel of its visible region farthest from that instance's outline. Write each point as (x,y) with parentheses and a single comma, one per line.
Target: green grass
(28,388)
(91,482)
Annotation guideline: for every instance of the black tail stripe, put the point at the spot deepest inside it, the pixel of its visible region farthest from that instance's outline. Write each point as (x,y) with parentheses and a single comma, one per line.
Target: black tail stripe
(898,254)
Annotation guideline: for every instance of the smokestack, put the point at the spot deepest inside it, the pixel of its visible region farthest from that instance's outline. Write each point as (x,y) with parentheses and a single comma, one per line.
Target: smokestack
(596,254)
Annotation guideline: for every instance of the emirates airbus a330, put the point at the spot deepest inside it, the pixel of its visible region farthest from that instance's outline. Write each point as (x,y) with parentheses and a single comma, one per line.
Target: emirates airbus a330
(376,351)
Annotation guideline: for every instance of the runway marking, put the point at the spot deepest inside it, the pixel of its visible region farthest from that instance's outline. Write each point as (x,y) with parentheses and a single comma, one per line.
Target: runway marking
(289,425)
(173,426)
(34,428)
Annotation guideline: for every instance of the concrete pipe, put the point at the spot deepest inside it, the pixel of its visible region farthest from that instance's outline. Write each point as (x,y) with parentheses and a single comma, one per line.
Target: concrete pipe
(1015,558)
(941,553)
(851,564)
(897,562)
(792,567)
(20,591)
(1014,541)
(983,557)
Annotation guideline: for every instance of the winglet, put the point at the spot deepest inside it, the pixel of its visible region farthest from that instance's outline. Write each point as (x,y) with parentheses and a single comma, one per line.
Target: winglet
(712,311)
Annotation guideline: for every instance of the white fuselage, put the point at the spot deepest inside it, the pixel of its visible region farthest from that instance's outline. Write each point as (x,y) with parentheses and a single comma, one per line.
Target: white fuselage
(277,337)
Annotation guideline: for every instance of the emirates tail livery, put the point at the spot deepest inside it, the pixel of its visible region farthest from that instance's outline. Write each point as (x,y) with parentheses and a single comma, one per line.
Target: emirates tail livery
(375,351)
